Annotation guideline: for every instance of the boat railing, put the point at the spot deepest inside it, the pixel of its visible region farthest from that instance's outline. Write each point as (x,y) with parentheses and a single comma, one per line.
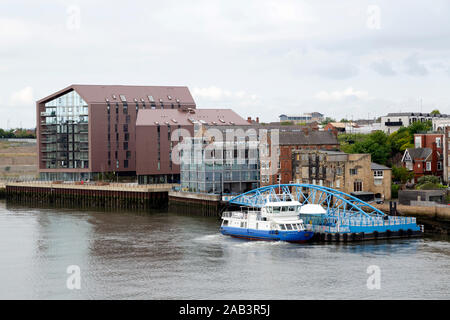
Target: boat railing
(234,214)
(374,221)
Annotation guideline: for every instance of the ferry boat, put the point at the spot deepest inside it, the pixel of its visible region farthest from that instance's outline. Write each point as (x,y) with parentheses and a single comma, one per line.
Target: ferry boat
(275,221)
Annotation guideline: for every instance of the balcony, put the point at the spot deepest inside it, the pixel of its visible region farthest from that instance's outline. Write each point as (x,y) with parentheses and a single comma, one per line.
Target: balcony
(48,114)
(393,123)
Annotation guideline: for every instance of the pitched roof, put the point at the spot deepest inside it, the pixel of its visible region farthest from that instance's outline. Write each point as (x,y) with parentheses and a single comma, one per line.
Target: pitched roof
(311,138)
(419,153)
(99,93)
(376,166)
(151,117)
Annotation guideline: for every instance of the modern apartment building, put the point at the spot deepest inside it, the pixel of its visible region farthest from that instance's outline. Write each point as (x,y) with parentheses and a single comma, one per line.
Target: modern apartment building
(224,162)
(84,130)
(158,132)
(304,118)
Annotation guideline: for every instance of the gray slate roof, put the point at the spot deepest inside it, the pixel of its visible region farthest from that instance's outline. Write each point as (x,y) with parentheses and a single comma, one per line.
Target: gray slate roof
(311,138)
(419,153)
(376,166)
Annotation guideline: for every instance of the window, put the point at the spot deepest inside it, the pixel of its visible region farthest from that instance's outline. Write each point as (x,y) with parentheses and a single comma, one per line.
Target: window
(378,173)
(438,142)
(428,168)
(150,98)
(123,98)
(353,171)
(282,227)
(125,163)
(417,142)
(357,186)
(439,165)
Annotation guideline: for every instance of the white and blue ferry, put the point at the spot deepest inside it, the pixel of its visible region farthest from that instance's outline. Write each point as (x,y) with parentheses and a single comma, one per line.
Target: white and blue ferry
(275,221)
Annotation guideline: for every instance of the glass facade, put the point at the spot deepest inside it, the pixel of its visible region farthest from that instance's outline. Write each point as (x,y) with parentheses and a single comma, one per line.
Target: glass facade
(64,133)
(216,168)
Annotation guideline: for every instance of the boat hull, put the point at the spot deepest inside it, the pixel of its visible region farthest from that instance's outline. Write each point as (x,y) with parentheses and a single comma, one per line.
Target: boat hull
(267,235)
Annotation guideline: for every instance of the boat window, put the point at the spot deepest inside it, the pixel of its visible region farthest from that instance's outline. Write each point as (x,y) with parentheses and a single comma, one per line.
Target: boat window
(289,226)
(291,208)
(269,209)
(225,222)
(282,227)
(276,209)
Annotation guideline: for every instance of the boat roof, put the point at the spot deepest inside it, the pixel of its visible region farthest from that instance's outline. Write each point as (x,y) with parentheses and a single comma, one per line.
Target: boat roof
(282,221)
(312,209)
(282,203)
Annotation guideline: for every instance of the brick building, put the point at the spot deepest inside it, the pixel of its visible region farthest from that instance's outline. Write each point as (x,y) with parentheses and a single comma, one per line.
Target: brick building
(156,138)
(427,157)
(84,130)
(289,141)
(349,173)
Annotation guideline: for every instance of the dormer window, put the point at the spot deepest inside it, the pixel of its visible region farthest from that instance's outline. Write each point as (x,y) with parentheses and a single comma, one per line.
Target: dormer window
(123,98)
(150,98)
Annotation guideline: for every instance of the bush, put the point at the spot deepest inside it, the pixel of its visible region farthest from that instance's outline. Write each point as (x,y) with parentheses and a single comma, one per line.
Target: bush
(394,191)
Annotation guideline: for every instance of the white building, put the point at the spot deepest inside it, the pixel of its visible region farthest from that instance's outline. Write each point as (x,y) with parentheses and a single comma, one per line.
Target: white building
(394,121)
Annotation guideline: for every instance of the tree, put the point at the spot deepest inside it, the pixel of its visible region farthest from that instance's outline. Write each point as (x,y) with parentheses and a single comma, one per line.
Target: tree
(327,120)
(435,112)
(417,127)
(401,174)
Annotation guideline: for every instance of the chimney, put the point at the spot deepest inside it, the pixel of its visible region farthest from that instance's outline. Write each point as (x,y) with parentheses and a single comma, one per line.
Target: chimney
(257,119)
(249,119)
(305,130)
(434,156)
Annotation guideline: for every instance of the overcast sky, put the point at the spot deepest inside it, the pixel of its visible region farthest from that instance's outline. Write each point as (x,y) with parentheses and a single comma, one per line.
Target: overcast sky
(353,59)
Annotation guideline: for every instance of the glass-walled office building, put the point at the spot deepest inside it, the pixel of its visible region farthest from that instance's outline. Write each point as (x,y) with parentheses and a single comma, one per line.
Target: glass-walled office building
(220,167)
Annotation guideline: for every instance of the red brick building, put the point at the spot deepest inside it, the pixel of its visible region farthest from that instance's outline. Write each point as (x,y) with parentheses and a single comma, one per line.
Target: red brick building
(296,140)
(427,156)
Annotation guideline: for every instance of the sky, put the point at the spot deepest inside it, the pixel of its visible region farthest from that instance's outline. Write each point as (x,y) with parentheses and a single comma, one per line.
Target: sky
(262,58)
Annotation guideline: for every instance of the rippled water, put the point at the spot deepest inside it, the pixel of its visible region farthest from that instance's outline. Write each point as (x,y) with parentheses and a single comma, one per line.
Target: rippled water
(171,256)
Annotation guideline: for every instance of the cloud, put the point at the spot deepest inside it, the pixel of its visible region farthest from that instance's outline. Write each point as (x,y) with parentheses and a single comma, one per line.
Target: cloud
(414,67)
(213,93)
(347,94)
(23,97)
(383,67)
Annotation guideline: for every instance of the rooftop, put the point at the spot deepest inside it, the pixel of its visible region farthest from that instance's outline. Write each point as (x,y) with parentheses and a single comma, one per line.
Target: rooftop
(219,117)
(416,114)
(310,138)
(376,166)
(115,93)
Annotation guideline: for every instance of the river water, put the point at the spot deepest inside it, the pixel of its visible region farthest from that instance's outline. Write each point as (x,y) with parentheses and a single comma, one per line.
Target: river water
(160,255)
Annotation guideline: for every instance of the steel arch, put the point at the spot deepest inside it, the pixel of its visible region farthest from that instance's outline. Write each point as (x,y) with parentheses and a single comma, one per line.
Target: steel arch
(336,203)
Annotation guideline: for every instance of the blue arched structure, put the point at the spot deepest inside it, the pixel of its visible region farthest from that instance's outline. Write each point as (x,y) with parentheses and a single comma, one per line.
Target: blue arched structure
(347,213)
(334,201)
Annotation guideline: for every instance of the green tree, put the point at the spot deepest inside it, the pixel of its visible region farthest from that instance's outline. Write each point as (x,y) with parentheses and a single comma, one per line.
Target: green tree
(417,127)
(435,112)
(401,174)
(327,120)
